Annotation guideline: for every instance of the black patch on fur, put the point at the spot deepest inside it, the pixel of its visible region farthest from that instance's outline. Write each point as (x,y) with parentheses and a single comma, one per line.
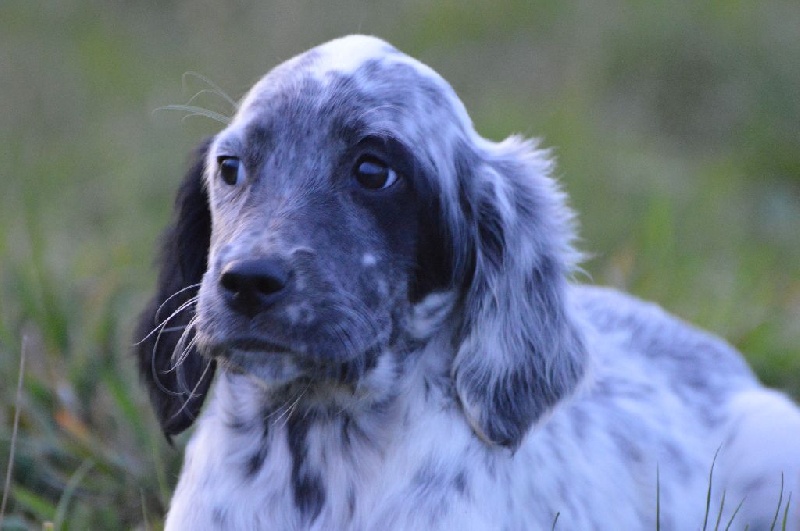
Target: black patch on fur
(351,371)
(513,414)
(460,483)
(626,443)
(351,502)
(464,255)
(434,269)
(219,517)
(238,424)
(309,493)
(353,436)
(490,234)
(177,393)
(427,477)
(256,461)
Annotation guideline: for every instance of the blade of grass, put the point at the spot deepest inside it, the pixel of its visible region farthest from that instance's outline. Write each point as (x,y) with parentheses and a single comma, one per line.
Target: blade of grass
(786,512)
(42,508)
(708,493)
(778,509)
(730,522)
(719,513)
(143,503)
(164,489)
(69,492)
(658,499)
(17,400)
(121,394)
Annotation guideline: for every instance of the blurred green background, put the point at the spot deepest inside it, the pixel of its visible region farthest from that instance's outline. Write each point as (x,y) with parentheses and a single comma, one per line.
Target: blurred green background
(676,126)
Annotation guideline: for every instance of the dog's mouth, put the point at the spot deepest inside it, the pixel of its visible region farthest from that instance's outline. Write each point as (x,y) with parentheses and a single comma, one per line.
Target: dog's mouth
(265,360)
(257,345)
(277,363)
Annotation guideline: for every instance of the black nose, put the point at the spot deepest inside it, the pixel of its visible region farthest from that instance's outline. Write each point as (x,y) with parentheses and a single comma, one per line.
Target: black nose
(251,286)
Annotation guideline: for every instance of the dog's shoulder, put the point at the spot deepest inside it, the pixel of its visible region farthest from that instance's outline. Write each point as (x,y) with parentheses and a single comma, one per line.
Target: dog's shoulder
(641,332)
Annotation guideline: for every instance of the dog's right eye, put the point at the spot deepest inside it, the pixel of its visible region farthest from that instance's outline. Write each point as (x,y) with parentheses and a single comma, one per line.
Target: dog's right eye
(374,174)
(230,170)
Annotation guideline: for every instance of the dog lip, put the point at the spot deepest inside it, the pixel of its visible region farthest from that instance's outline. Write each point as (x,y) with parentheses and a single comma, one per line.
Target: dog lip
(256,344)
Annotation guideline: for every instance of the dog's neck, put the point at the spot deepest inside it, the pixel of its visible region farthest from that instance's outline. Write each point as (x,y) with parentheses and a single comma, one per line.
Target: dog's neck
(304,452)
(293,413)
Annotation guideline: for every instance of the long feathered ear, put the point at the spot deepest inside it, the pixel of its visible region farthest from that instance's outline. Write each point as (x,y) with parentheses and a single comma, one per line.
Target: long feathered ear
(519,350)
(176,375)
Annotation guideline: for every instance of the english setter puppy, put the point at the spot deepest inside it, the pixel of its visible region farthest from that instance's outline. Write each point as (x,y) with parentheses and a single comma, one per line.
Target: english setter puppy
(385,298)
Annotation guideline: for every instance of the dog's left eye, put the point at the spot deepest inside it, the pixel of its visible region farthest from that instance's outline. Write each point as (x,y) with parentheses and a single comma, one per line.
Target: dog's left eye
(230,170)
(373,174)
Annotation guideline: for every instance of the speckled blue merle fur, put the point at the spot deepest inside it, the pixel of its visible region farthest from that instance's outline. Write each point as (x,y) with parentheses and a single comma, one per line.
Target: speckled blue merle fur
(377,302)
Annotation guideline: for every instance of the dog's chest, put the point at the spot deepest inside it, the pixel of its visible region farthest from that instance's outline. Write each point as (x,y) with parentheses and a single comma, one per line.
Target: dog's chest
(324,476)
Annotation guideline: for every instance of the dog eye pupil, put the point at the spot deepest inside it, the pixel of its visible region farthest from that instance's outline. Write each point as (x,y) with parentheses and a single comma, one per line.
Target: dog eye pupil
(373,174)
(230,171)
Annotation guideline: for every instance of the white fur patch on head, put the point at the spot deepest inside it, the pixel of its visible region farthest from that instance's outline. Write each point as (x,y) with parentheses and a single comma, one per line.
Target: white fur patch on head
(346,54)
(368,260)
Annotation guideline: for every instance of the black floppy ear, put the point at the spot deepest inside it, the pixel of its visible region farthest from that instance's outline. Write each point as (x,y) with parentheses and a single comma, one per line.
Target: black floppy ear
(176,375)
(519,351)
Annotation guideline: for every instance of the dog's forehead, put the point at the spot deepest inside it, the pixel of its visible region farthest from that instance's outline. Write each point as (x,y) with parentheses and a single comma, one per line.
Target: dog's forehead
(368,64)
(345,90)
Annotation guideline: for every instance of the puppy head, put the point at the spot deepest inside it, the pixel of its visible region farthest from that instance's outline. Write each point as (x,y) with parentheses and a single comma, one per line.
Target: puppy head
(350,189)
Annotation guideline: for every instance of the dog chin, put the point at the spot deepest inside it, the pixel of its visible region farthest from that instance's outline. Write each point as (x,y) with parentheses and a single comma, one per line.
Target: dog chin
(267,368)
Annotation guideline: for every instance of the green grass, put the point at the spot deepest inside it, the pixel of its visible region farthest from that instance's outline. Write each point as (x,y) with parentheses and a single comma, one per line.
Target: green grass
(675,130)
(781,510)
